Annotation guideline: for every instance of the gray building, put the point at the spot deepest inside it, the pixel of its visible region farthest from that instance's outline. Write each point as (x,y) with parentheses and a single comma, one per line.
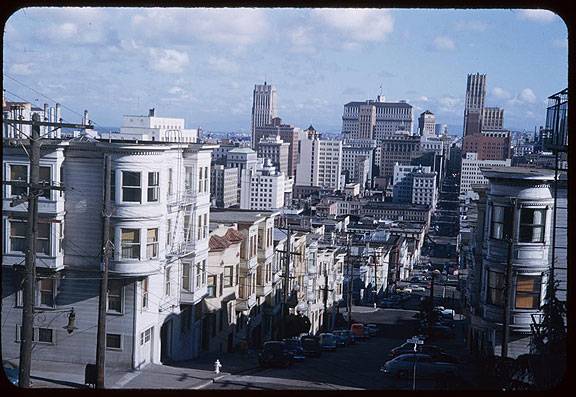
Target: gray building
(264,107)
(375,119)
(397,148)
(275,149)
(474,105)
(224,186)
(516,222)
(357,157)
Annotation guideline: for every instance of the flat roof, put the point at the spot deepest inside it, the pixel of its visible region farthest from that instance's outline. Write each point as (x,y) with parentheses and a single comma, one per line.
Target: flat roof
(239,216)
(538,174)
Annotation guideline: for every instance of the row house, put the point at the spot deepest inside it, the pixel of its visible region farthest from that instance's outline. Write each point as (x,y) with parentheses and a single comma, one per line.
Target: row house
(159,230)
(255,276)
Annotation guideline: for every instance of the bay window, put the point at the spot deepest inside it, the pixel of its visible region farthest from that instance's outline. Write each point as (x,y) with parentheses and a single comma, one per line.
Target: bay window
(130,243)
(131,187)
(212,286)
(532,224)
(153,186)
(152,243)
(186,276)
(18,173)
(19,242)
(528,292)
(502,222)
(45,177)
(114,303)
(495,289)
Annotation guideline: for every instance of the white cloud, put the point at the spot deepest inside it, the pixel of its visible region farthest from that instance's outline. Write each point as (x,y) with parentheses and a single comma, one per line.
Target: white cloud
(449,104)
(84,25)
(527,95)
(474,26)
(223,65)
(356,23)
(543,16)
(175,91)
(21,69)
(168,61)
(232,26)
(443,43)
(422,98)
(301,40)
(500,93)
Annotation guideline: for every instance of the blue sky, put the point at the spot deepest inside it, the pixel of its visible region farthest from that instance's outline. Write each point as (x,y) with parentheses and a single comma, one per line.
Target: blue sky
(202,64)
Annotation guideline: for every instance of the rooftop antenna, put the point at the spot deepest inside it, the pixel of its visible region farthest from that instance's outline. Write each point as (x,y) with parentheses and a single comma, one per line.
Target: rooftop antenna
(380,89)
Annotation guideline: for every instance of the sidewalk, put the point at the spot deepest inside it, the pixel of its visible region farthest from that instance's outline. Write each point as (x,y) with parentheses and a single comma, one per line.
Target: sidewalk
(232,363)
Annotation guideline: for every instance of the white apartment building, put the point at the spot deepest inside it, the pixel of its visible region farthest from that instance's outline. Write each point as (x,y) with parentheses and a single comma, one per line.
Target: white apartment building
(471,173)
(357,160)
(158,129)
(424,189)
(276,150)
(403,183)
(223,186)
(262,188)
(320,162)
(427,124)
(160,201)
(264,107)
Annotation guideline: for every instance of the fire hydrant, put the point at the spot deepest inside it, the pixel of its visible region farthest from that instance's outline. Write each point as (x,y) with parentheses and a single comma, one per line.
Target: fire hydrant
(217,366)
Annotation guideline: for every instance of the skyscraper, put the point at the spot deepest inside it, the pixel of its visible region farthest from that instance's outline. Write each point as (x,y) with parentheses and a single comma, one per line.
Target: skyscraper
(427,124)
(264,108)
(475,94)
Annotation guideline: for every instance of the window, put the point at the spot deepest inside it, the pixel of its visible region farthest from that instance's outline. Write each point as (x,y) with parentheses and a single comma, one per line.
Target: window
(18,236)
(186,276)
(131,243)
(168,232)
(114,341)
(528,292)
(153,186)
(152,243)
(45,177)
(45,335)
(19,173)
(228,276)
(188,177)
(259,275)
(43,239)
(532,223)
(167,281)
(46,292)
(502,222)
(114,296)
(145,293)
(131,190)
(212,286)
(113,186)
(170,184)
(199,232)
(495,289)
(146,336)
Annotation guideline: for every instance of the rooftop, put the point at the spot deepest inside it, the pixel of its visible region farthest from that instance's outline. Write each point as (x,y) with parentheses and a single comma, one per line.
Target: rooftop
(523,173)
(239,216)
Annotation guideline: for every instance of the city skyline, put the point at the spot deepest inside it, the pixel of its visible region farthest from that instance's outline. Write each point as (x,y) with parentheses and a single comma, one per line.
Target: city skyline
(201,64)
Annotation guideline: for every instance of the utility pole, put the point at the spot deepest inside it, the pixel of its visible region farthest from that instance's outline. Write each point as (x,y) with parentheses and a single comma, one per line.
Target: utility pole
(35,189)
(325,299)
(286,278)
(350,282)
(103,298)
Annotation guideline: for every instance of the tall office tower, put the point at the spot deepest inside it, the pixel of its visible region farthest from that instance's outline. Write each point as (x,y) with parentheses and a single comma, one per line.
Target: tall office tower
(375,119)
(475,94)
(398,148)
(492,118)
(264,107)
(427,124)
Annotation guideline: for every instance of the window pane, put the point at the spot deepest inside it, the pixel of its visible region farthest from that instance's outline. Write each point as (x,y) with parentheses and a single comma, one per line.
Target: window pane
(113,341)
(44,177)
(131,195)
(19,173)
(115,296)
(131,243)
(153,179)
(44,335)
(186,276)
(524,301)
(130,178)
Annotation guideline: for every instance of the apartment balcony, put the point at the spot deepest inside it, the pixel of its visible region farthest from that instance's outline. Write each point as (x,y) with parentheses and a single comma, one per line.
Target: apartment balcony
(245,304)
(134,268)
(249,264)
(193,296)
(264,290)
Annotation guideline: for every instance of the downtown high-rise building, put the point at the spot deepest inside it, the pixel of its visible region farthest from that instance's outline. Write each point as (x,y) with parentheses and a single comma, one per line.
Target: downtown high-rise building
(475,94)
(427,124)
(264,108)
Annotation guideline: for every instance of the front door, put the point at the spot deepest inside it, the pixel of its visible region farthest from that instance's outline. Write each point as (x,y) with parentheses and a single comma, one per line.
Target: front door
(165,342)
(145,347)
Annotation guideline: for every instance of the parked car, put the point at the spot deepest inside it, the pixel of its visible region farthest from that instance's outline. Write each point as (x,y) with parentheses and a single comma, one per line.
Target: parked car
(406,290)
(294,347)
(417,288)
(274,354)
(426,366)
(311,345)
(408,348)
(328,341)
(358,331)
(346,333)
(341,341)
(373,329)
(11,372)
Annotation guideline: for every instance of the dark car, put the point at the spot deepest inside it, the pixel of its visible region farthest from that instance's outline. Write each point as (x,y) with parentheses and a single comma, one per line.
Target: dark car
(275,354)
(328,341)
(347,334)
(11,372)
(311,346)
(294,347)
(341,341)
(427,367)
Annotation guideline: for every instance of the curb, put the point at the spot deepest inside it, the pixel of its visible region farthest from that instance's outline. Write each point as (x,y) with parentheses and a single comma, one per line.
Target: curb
(209,382)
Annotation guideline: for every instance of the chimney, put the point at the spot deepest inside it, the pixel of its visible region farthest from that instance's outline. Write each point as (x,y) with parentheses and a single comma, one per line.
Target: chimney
(151,112)
(85,118)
